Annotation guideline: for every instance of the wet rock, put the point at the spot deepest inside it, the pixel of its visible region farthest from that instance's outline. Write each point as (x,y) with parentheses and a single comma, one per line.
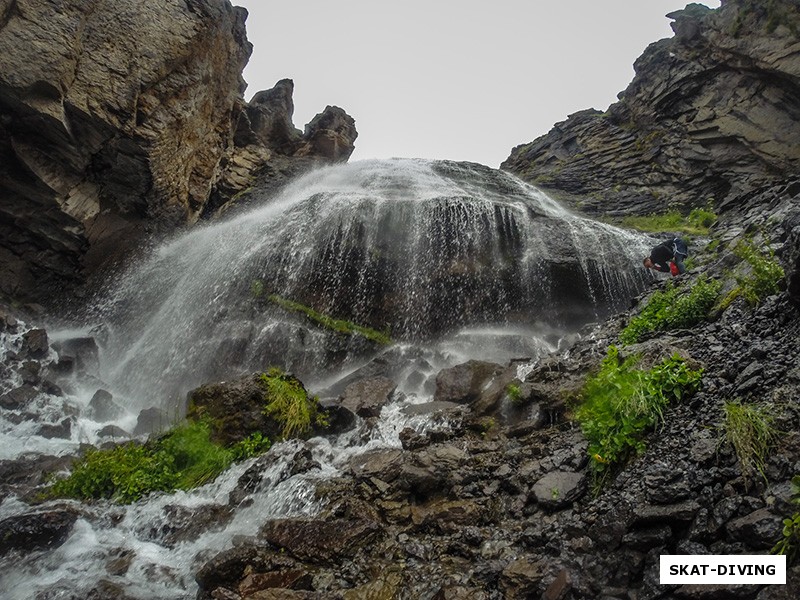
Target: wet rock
(320,542)
(112,431)
(559,489)
(236,408)
(30,371)
(448,515)
(180,524)
(340,419)
(254,584)
(682,512)
(522,578)
(34,344)
(367,396)
(103,408)
(759,530)
(151,420)
(36,531)
(62,430)
(18,398)
(79,353)
(464,383)
(263,472)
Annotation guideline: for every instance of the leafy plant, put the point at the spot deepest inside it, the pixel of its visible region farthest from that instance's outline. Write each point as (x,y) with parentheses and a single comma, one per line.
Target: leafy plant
(253,445)
(183,458)
(748,429)
(674,308)
(620,403)
(790,543)
(328,322)
(288,403)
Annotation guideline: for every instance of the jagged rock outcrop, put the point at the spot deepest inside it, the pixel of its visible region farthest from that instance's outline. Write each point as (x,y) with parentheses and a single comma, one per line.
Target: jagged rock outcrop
(119,118)
(711,113)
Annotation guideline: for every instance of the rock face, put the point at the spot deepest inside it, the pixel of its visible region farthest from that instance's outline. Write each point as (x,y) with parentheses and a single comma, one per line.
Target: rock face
(711,113)
(117,118)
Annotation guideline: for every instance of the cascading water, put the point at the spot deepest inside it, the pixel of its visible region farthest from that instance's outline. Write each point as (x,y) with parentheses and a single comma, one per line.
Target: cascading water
(422,249)
(453,260)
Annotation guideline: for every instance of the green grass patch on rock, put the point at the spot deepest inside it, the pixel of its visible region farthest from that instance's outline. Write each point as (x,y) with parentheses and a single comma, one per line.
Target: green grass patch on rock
(763,278)
(749,430)
(789,544)
(182,459)
(697,222)
(620,404)
(328,322)
(676,307)
(289,404)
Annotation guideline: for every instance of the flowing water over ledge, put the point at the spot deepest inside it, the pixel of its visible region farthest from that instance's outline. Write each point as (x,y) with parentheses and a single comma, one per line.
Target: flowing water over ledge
(455,261)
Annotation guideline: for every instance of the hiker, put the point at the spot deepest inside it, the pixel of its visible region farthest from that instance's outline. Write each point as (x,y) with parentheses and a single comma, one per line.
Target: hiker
(668,257)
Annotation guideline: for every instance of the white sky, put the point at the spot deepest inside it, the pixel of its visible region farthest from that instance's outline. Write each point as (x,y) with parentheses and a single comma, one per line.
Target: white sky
(456,79)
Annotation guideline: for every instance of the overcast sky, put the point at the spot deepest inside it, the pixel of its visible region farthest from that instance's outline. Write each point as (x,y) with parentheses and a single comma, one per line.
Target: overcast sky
(456,79)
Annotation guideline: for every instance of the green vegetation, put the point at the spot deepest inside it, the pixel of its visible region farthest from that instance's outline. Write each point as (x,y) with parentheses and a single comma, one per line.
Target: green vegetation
(790,543)
(182,459)
(257,288)
(337,325)
(697,222)
(514,393)
(764,277)
(748,428)
(288,403)
(676,307)
(620,403)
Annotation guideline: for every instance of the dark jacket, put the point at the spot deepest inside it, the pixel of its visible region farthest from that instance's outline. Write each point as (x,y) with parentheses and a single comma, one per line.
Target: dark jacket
(673,249)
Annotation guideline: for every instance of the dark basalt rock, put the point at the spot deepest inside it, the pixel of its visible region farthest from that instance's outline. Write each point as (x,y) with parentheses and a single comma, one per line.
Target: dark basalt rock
(711,113)
(36,531)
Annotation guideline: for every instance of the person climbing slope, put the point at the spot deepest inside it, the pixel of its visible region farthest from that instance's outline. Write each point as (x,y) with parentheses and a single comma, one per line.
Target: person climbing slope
(668,256)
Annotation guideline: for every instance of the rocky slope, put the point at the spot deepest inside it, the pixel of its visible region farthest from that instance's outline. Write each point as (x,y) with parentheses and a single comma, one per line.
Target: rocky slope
(711,113)
(119,118)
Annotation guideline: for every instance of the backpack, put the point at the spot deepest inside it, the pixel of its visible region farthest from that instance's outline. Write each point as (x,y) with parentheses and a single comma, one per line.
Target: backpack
(679,247)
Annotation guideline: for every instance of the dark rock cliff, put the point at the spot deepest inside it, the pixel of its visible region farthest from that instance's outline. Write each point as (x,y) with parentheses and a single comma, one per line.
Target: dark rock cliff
(118,118)
(711,113)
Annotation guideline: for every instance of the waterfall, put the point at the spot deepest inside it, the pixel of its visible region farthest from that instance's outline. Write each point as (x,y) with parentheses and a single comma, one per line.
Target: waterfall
(452,260)
(422,250)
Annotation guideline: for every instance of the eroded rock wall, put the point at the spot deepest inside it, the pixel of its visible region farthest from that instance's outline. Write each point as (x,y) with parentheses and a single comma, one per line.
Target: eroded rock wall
(123,118)
(711,113)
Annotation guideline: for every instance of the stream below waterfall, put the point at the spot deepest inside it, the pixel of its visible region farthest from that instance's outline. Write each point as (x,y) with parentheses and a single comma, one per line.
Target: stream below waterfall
(452,261)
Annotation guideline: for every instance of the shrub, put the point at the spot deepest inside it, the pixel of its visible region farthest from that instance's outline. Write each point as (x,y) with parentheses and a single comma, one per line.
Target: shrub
(183,458)
(288,403)
(748,429)
(674,308)
(620,404)
(790,543)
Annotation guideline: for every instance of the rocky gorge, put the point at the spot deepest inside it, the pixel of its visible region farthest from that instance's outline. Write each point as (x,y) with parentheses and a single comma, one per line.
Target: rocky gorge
(488,488)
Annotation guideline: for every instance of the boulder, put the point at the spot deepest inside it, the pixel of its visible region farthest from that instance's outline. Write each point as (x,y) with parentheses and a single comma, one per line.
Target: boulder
(559,489)
(151,420)
(34,344)
(79,352)
(18,398)
(102,407)
(35,531)
(366,397)
(321,542)
(464,383)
